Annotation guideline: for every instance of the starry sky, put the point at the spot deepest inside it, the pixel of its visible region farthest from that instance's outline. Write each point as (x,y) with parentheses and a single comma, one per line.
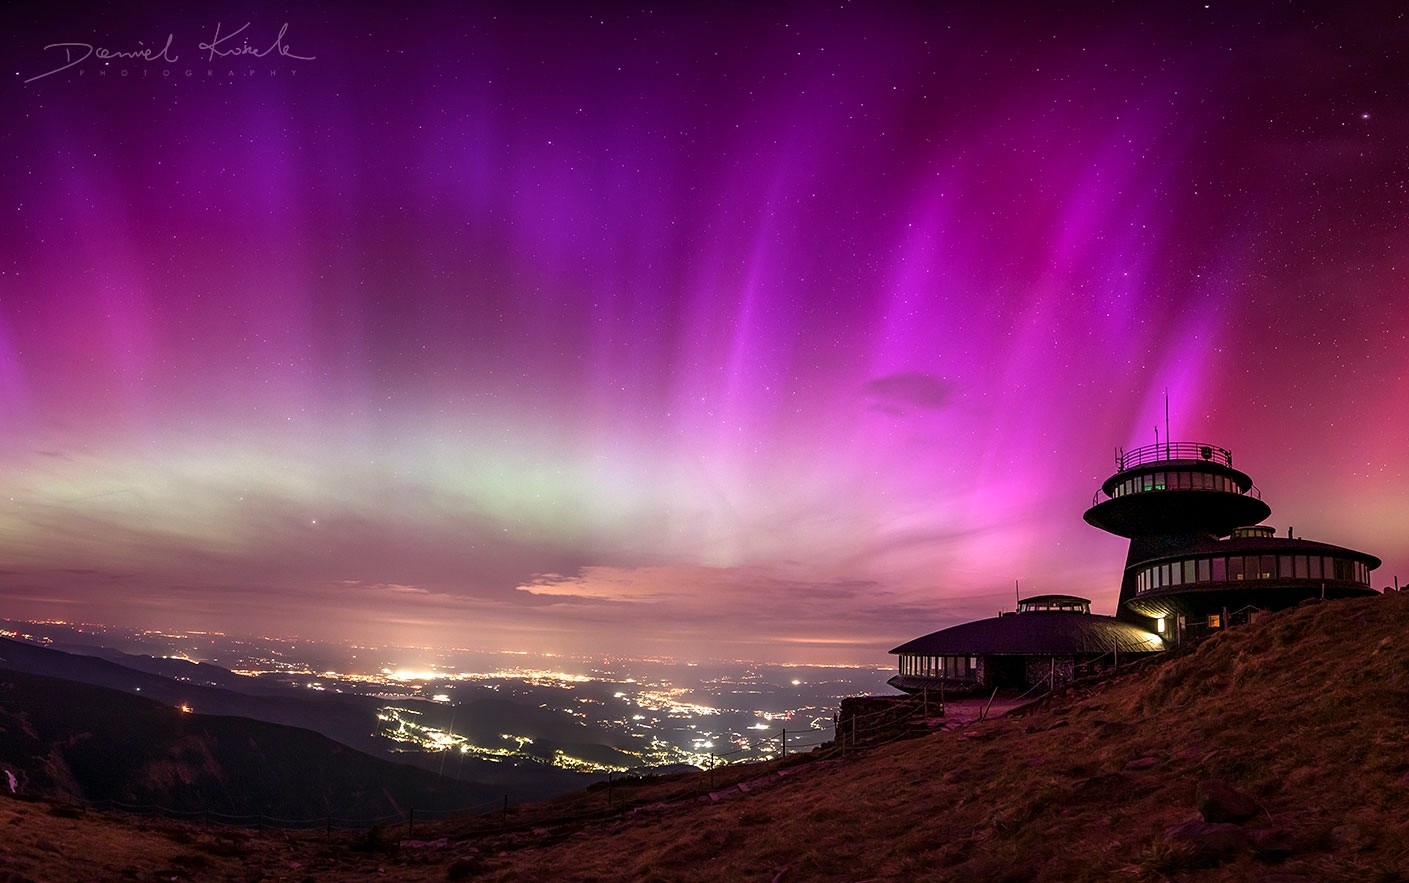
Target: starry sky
(772,331)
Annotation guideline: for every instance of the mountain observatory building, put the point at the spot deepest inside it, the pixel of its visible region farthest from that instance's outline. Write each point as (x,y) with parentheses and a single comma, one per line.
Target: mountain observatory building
(1200,560)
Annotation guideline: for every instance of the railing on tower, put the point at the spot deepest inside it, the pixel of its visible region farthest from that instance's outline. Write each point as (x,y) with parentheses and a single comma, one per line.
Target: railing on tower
(1172,451)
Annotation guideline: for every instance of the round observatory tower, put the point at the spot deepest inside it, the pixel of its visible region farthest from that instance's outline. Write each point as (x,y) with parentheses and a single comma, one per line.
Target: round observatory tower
(1196,560)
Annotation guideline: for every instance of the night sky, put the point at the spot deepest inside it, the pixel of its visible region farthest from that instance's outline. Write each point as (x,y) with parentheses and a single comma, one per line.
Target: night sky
(729,330)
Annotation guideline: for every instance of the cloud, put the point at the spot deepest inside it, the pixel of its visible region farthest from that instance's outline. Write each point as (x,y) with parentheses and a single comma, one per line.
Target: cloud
(914,389)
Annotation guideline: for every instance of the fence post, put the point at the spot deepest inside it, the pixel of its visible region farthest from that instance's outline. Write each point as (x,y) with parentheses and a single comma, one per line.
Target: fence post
(711,770)
(785,743)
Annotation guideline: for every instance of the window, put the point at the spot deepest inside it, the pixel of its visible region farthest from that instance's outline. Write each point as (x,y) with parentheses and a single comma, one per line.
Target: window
(1215,621)
(1188,571)
(1203,574)
(1284,566)
(1176,574)
(1268,568)
(1160,481)
(1220,570)
(1344,570)
(1299,567)
(1235,568)
(954,667)
(1315,566)
(1149,482)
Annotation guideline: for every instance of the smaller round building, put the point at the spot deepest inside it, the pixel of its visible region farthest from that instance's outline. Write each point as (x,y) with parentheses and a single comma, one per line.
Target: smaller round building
(1050,640)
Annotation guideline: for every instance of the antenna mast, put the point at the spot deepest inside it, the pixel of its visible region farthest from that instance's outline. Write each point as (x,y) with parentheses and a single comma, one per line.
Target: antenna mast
(1166,423)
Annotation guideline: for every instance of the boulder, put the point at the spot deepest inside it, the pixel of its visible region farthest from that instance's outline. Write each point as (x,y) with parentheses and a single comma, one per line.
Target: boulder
(1209,842)
(1217,801)
(1272,843)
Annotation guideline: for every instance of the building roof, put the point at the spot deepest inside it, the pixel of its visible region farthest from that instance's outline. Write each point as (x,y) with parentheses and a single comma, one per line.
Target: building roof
(1037,633)
(1268,545)
(1053,599)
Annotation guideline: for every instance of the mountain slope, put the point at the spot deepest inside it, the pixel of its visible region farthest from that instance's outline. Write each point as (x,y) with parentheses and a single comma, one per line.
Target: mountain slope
(66,739)
(1306,711)
(343,717)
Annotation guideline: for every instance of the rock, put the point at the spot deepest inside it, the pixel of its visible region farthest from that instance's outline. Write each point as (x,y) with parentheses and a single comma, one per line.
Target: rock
(1274,843)
(1348,836)
(1217,801)
(1142,763)
(1209,842)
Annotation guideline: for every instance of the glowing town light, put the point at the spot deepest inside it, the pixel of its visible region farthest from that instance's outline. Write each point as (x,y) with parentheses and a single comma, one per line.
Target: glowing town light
(411,674)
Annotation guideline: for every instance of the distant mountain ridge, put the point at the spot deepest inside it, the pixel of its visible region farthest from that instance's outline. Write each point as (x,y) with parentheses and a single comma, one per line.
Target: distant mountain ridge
(69,740)
(346,718)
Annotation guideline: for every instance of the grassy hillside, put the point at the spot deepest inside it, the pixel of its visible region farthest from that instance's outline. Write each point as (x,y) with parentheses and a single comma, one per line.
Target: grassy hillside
(1307,712)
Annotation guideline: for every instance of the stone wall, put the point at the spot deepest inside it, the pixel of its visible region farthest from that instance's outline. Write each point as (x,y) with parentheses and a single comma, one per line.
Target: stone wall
(1058,669)
(875,718)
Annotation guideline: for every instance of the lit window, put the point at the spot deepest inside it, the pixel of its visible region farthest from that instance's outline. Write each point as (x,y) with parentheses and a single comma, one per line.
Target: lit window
(1215,621)
(1159,625)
